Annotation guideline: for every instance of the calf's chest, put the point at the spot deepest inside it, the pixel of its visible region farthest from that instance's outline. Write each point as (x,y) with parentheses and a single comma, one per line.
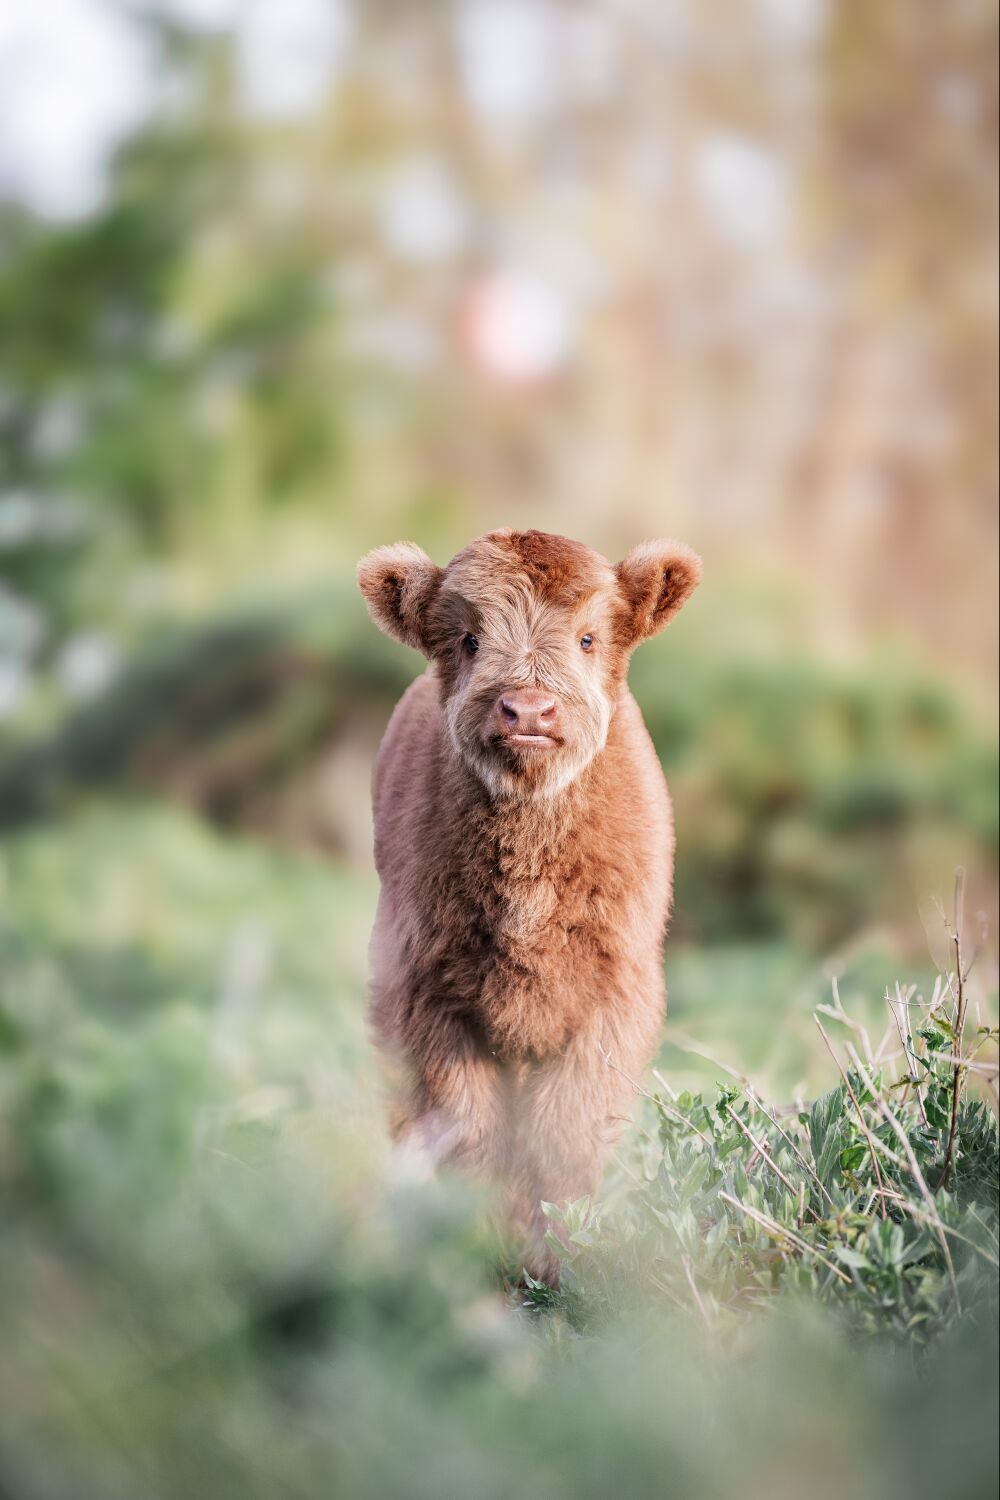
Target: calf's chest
(545,946)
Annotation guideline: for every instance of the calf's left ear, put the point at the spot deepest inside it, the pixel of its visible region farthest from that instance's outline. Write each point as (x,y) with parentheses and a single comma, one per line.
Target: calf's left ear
(399,584)
(655,579)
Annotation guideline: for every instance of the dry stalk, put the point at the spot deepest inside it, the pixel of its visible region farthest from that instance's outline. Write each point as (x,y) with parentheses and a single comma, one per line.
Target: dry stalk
(664,1085)
(922,1218)
(761,1149)
(902,1020)
(685,1262)
(958,1025)
(684,1043)
(915,1171)
(861,1118)
(838,1013)
(759,1104)
(660,1103)
(780,1232)
(660,1287)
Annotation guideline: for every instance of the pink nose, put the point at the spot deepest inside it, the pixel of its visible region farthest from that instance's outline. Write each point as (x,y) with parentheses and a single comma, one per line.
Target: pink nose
(528,711)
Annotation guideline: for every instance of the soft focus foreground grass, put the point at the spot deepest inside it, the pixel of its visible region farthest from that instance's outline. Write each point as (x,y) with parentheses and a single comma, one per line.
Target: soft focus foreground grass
(216,1281)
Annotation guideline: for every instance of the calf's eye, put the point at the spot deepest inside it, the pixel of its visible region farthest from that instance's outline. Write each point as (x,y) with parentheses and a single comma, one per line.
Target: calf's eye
(470,644)
(586,642)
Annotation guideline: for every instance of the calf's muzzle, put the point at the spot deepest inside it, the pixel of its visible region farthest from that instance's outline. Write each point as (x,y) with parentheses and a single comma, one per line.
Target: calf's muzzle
(528,716)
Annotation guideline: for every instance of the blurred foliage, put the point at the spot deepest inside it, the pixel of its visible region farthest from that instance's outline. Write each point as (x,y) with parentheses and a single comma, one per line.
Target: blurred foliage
(812,802)
(228,713)
(247,363)
(118,376)
(214,1279)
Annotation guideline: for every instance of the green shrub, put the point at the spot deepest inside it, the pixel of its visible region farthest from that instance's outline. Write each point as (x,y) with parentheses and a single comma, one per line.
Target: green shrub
(812,801)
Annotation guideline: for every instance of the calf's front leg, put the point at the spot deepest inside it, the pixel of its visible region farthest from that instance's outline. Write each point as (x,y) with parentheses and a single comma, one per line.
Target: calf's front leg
(455,1112)
(570,1109)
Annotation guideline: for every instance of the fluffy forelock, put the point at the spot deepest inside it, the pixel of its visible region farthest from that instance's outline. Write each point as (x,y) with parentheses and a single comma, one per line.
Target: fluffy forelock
(554,569)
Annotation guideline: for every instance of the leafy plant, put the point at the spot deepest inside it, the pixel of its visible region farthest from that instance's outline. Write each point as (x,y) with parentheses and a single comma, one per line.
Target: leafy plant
(880,1199)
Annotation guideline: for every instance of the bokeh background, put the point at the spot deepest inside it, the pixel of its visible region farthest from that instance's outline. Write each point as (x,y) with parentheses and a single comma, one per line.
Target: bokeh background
(287,279)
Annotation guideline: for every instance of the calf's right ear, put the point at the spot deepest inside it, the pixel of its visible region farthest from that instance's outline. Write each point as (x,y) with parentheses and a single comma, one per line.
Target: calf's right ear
(655,580)
(399,584)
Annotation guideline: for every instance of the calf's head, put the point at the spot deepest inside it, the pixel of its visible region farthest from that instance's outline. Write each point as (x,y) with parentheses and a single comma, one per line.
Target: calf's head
(530,635)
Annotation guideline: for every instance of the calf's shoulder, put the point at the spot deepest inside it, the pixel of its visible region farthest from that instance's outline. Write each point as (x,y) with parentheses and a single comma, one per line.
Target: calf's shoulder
(408,770)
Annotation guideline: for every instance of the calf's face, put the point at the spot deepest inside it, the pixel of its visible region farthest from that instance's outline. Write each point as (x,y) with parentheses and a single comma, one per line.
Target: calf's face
(530,635)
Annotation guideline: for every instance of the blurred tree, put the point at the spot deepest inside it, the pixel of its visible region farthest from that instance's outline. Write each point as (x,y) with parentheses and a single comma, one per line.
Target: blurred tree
(152,352)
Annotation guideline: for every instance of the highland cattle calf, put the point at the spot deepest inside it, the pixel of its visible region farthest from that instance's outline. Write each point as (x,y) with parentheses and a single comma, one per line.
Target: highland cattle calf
(524,841)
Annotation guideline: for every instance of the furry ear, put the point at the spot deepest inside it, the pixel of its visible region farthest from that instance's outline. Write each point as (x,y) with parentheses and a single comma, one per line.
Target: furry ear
(655,579)
(399,584)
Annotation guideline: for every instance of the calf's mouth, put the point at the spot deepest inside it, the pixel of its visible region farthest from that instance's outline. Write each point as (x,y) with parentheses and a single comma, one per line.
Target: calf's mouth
(530,741)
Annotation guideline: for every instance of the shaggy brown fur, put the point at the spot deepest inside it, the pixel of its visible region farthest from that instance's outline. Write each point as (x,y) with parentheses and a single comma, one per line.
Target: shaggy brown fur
(524,840)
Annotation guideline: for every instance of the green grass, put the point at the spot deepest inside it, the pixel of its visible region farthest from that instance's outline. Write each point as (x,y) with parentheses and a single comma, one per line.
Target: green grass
(215,1278)
(749,1006)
